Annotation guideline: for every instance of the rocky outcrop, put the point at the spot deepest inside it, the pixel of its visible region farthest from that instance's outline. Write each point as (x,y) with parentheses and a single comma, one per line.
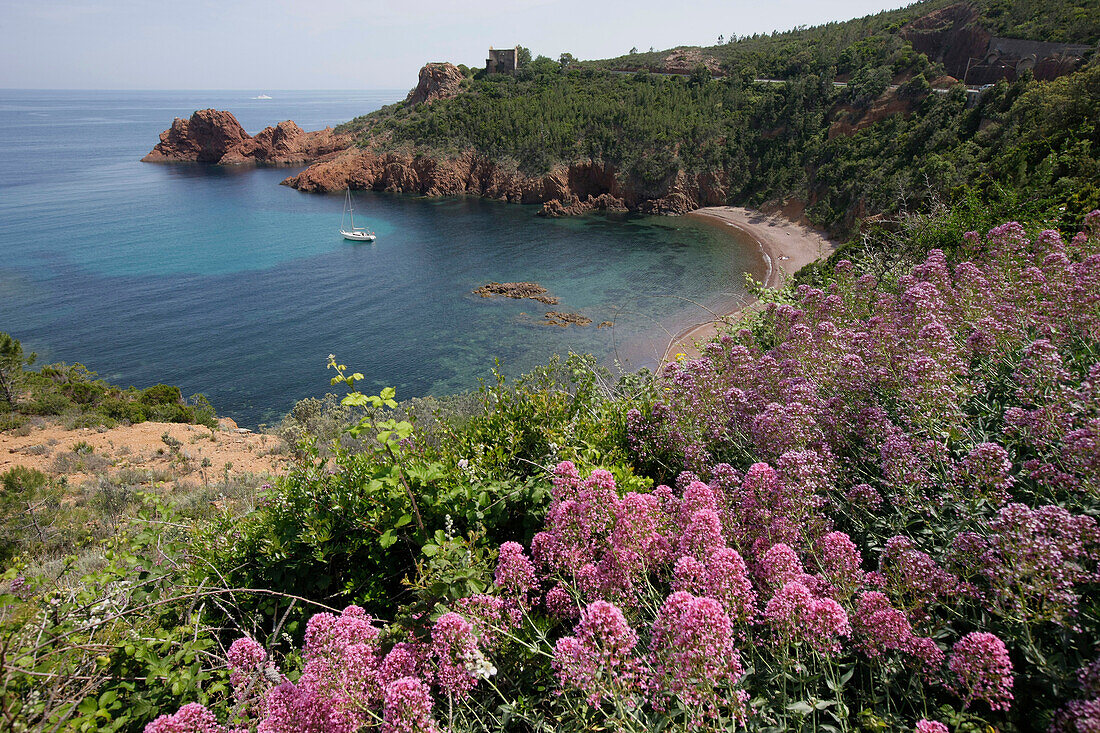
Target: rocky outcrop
(575,206)
(215,136)
(949,35)
(563,319)
(955,37)
(519,291)
(437,81)
(566,190)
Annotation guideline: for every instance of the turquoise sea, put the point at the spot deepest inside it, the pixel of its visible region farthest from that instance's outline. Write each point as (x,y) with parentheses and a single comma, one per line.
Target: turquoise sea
(226,283)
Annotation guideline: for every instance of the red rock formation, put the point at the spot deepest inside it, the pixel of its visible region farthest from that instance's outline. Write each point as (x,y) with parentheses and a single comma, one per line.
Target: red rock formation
(205,138)
(437,81)
(565,190)
(950,35)
(215,136)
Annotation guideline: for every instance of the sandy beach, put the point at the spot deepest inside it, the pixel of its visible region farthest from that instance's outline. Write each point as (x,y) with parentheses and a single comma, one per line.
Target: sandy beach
(787,247)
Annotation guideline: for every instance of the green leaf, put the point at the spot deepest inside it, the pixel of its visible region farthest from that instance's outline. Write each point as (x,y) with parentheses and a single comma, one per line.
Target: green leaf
(430,550)
(405,519)
(387,539)
(802,708)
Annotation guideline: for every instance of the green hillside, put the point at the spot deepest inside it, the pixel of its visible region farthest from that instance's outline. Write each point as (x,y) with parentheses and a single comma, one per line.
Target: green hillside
(848,121)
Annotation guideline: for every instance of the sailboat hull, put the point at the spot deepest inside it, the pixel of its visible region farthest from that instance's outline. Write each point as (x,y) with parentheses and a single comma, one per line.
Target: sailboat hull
(358,236)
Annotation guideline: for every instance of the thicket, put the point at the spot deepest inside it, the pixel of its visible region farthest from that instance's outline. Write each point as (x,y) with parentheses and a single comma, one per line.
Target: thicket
(72,392)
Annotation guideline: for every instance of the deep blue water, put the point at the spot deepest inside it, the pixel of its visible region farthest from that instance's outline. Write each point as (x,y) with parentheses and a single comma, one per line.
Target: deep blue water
(224,282)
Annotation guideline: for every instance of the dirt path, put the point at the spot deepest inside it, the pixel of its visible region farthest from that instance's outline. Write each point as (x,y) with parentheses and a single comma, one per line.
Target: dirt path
(165,452)
(787,247)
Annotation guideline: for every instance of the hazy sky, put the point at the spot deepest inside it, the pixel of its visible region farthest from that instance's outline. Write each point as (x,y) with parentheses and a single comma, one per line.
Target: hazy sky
(349,44)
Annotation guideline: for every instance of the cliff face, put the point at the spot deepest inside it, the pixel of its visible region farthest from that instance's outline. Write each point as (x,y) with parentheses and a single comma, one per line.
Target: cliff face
(566,190)
(437,81)
(954,36)
(215,136)
(949,35)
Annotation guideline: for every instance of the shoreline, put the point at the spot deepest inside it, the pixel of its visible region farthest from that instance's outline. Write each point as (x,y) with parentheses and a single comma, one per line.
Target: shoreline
(786,246)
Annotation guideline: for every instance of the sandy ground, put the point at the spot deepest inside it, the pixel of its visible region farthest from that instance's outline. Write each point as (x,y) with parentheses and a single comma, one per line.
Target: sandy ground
(787,247)
(198,454)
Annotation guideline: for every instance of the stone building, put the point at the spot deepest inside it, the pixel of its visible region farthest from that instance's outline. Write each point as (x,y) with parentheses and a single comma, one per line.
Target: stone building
(502,61)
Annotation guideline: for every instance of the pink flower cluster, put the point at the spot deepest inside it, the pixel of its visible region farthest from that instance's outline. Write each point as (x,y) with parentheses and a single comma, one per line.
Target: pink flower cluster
(348,682)
(982,670)
(693,657)
(599,659)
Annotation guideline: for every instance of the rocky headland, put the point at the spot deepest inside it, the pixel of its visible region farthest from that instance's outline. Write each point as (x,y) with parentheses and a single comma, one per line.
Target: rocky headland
(566,190)
(215,136)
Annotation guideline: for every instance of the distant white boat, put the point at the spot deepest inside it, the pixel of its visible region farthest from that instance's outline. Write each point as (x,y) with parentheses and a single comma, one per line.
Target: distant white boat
(262,96)
(354,234)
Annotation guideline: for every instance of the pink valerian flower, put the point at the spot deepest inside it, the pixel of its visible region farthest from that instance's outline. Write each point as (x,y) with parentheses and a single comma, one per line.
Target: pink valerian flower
(930,726)
(456,655)
(404,659)
(1033,559)
(578,522)
(491,616)
(780,565)
(913,578)
(338,682)
(559,602)
(1082,716)
(840,563)
(566,481)
(985,472)
(722,577)
(515,573)
(327,634)
(637,540)
(1078,716)
(703,534)
(191,718)
(693,657)
(696,496)
(407,707)
(864,497)
(982,670)
(797,616)
(246,658)
(599,659)
(879,627)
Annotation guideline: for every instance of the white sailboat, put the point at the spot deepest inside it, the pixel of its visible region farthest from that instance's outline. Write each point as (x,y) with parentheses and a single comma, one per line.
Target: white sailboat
(354,234)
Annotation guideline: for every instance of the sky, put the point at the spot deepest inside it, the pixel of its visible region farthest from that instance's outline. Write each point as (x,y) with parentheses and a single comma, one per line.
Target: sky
(350,44)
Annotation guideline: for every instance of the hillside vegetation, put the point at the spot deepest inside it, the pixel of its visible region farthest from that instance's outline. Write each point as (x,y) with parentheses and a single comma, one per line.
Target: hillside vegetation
(872,505)
(884,143)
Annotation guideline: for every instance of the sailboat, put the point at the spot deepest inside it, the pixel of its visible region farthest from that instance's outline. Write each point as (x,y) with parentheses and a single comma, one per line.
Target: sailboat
(353,233)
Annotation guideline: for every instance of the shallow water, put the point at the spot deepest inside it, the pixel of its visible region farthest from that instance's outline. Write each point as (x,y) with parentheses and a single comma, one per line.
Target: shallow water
(226,283)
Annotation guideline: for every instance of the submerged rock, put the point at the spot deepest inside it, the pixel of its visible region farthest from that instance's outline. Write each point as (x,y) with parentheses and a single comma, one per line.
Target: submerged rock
(559,318)
(519,291)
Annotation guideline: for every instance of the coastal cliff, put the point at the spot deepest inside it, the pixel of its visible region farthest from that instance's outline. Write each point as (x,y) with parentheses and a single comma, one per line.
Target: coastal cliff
(566,190)
(215,136)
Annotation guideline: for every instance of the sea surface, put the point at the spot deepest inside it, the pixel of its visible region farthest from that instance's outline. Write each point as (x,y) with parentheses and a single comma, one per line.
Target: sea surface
(226,283)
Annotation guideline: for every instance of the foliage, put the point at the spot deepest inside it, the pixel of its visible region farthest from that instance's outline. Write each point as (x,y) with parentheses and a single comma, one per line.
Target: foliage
(883,143)
(74,393)
(884,539)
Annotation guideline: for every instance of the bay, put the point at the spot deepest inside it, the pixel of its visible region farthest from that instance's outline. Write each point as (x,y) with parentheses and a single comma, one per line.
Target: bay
(224,282)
